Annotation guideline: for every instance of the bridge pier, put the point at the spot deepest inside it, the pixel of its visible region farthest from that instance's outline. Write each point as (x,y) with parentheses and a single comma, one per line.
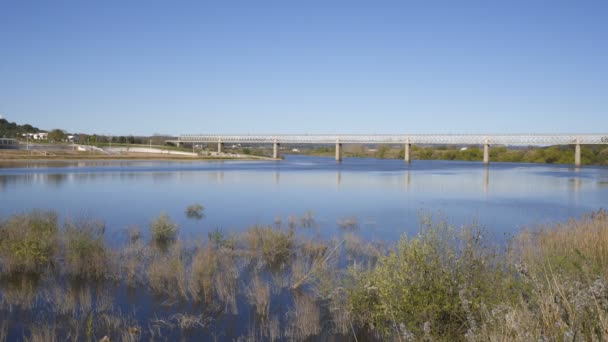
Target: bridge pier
(338,151)
(577,154)
(408,156)
(275,150)
(220,147)
(486,153)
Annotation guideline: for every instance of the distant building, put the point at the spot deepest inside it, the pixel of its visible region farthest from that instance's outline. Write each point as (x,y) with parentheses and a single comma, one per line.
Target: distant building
(41,136)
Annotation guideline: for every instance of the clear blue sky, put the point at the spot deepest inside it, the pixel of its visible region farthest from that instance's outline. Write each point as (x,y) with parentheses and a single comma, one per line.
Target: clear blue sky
(129,67)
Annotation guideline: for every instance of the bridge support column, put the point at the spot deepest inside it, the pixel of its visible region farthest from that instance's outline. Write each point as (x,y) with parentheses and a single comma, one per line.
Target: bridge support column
(408,155)
(486,153)
(220,147)
(338,151)
(275,150)
(577,154)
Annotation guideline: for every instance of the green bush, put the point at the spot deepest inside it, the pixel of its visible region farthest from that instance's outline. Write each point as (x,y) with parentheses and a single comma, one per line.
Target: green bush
(28,242)
(432,284)
(163,229)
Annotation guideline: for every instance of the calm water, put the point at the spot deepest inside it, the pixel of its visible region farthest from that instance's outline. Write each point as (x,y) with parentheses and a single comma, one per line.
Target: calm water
(385,196)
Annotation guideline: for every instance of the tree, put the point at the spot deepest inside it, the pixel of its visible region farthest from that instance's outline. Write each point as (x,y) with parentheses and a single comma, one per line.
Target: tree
(56,135)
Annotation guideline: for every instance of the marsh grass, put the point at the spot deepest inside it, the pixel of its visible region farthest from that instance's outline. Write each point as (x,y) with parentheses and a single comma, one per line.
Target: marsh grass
(304,318)
(349,223)
(444,283)
(258,295)
(86,255)
(28,242)
(166,273)
(272,246)
(163,230)
(195,211)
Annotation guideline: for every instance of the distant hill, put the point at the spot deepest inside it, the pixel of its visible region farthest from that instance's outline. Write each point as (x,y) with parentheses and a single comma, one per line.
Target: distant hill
(13,130)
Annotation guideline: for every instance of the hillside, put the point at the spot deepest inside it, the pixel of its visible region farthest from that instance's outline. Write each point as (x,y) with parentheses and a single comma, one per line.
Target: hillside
(13,130)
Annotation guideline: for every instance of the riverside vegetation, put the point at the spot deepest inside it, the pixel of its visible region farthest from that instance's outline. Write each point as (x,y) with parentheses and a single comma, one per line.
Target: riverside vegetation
(65,281)
(590,154)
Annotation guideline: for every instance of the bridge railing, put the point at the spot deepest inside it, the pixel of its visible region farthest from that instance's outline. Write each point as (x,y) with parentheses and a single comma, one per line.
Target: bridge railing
(439,139)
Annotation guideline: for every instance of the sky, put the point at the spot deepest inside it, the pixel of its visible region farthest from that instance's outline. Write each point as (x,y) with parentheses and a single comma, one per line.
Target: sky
(315,67)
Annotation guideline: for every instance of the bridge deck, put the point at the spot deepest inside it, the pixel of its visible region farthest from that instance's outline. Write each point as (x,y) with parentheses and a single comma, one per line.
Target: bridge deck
(439,139)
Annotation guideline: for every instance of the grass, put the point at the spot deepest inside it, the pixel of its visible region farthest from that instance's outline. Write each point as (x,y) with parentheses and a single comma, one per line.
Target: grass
(195,211)
(443,283)
(86,254)
(28,242)
(272,246)
(163,230)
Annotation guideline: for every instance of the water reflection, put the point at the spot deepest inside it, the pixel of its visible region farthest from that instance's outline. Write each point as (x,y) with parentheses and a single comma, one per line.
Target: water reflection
(387,192)
(486,178)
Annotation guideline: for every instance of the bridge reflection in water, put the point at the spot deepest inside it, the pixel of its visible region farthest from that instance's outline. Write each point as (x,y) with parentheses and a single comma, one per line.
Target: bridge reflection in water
(486,140)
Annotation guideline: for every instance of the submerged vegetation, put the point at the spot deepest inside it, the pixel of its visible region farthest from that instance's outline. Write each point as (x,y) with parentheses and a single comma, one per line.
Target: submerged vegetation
(444,283)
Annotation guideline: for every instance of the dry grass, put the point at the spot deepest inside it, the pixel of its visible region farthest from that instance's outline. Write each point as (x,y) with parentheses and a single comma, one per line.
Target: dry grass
(576,246)
(167,273)
(28,242)
(272,246)
(258,295)
(42,332)
(304,319)
(214,277)
(86,255)
(348,223)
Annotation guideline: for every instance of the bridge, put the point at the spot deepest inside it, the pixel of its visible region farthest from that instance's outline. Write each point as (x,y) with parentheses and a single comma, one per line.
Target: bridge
(406,140)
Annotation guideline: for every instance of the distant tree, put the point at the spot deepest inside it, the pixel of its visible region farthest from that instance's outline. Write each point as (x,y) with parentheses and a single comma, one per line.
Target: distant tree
(56,135)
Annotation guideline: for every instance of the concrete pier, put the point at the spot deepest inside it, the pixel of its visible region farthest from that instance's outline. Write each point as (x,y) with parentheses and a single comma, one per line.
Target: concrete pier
(338,151)
(275,150)
(220,147)
(486,153)
(408,156)
(577,154)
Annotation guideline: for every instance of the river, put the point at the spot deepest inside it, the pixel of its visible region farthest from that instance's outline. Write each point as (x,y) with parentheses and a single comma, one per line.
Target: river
(384,198)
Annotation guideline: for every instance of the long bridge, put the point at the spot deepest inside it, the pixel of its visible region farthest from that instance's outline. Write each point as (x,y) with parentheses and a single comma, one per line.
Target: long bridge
(407,140)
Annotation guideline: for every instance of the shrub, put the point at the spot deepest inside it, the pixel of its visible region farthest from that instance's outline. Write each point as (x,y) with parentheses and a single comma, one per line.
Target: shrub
(28,242)
(424,285)
(163,229)
(273,245)
(195,211)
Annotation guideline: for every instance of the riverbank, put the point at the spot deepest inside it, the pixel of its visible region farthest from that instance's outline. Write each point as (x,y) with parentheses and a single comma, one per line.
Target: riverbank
(69,155)
(66,280)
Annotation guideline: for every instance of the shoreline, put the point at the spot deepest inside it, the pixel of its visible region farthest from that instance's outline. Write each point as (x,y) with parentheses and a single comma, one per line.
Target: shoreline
(68,157)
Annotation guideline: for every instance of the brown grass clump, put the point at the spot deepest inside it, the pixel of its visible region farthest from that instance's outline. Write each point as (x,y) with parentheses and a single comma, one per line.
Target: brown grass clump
(167,274)
(214,277)
(85,252)
(348,223)
(273,246)
(576,247)
(258,295)
(205,265)
(304,319)
(28,242)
